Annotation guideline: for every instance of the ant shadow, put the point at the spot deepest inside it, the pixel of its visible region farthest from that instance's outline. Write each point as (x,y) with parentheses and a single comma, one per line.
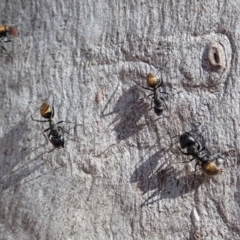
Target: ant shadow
(15,165)
(129,109)
(12,169)
(164,182)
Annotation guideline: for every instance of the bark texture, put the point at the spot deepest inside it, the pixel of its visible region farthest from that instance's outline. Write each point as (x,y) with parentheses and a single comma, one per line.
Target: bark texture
(119,176)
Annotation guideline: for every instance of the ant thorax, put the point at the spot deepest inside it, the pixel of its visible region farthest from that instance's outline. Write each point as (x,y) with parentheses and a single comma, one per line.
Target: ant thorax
(193,150)
(54,128)
(157,99)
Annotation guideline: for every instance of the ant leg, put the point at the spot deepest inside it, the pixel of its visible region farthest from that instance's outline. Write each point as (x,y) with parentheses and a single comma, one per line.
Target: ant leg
(195,169)
(147,88)
(70,162)
(60,128)
(152,102)
(47,138)
(39,120)
(188,154)
(188,161)
(52,111)
(150,95)
(3,47)
(164,102)
(8,40)
(63,121)
(165,116)
(203,148)
(46,130)
(51,150)
(49,135)
(64,131)
(213,157)
(176,136)
(6,50)
(159,84)
(199,146)
(194,130)
(143,86)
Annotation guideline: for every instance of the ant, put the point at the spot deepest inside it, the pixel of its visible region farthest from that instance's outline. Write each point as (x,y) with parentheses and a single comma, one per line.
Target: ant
(56,134)
(6,30)
(195,149)
(154,84)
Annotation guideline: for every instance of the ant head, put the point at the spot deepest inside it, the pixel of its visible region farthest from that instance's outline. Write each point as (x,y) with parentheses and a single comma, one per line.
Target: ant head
(158,110)
(46,111)
(151,80)
(186,140)
(57,141)
(13,31)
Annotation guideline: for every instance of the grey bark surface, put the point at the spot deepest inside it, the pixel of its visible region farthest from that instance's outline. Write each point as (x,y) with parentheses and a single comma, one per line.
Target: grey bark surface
(120,176)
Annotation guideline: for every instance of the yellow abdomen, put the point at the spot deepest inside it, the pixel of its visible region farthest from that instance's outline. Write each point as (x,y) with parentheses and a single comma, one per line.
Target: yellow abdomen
(3,28)
(151,80)
(45,110)
(210,168)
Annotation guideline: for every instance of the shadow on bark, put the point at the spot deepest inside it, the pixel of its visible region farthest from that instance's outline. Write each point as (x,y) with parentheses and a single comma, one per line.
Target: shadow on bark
(12,164)
(129,109)
(164,182)
(15,165)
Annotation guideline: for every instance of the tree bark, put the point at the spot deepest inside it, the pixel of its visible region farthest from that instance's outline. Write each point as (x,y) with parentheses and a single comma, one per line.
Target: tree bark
(120,174)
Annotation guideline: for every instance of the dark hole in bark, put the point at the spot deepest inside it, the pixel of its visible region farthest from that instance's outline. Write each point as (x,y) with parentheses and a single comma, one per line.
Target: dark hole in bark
(216,57)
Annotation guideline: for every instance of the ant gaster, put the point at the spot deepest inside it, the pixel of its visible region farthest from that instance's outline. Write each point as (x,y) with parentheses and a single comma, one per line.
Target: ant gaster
(154,84)
(195,149)
(56,133)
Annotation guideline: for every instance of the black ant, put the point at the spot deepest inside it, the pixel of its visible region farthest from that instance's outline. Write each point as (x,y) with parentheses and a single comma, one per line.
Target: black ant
(6,30)
(56,134)
(195,149)
(154,84)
